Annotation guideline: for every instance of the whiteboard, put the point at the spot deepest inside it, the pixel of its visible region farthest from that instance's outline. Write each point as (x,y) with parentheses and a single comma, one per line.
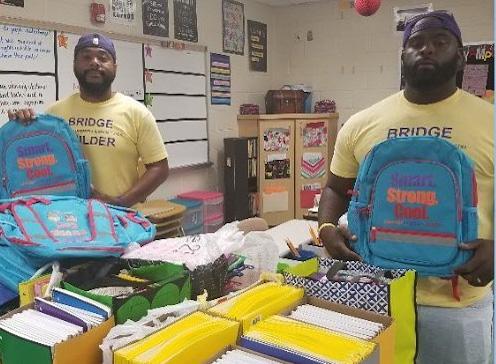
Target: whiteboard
(187,153)
(166,107)
(26,49)
(167,59)
(23,91)
(173,83)
(36,69)
(173,131)
(129,76)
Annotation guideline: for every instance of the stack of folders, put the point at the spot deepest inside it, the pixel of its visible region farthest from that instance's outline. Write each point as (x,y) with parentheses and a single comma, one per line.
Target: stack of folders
(51,322)
(299,342)
(242,357)
(337,322)
(261,301)
(193,339)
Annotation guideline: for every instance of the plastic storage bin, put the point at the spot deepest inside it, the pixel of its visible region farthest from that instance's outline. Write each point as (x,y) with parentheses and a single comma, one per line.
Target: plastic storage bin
(213,202)
(214,224)
(193,217)
(195,231)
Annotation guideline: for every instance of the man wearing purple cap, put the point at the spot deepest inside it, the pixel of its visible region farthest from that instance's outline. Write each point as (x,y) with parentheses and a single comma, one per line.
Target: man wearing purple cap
(116,132)
(449,330)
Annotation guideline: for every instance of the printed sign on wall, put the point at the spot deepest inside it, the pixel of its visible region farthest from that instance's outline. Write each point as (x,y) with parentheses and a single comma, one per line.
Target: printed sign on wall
(185,21)
(257,46)
(233,27)
(156,17)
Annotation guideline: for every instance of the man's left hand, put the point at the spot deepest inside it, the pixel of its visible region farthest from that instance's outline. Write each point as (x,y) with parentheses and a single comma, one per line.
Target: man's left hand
(479,270)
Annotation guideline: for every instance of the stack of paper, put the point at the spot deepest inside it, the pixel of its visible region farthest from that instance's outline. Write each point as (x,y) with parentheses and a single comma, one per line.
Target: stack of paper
(52,322)
(295,341)
(193,339)
(242,357)
(338,322)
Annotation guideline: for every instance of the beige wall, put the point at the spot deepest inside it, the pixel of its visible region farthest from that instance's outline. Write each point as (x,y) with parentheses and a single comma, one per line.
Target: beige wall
(355,59)
(352,59)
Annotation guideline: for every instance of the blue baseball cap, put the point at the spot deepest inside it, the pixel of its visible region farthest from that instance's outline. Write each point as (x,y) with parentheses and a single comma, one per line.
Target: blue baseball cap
(95,40)
(436,19)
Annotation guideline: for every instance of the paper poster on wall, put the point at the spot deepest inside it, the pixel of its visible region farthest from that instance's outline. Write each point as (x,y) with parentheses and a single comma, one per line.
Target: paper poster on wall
(312,165)
(156,17)
(122,11)
(220,79)
(26,91)
(402,14)
(276,139)
(233,27)
(19,3)
(275,198)
(26,49)
(478,74)
(257,46)
(315,134)
(277,166)
(185,20)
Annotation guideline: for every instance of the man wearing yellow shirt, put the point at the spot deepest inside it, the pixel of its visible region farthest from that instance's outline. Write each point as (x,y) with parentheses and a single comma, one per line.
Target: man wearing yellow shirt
(115,131)
(449,331)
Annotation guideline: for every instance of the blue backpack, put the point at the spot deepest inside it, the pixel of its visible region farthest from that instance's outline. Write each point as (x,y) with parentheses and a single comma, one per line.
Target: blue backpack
(42,158)
(41,229)
(413,203)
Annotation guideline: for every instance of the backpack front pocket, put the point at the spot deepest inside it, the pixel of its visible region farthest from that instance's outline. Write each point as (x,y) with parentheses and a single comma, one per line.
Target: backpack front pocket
(416,214)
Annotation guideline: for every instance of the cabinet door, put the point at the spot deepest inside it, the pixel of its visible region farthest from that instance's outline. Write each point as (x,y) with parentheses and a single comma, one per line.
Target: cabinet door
(276,170)
(311,162)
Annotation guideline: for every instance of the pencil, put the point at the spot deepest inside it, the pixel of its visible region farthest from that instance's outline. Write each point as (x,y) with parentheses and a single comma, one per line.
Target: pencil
(292,248)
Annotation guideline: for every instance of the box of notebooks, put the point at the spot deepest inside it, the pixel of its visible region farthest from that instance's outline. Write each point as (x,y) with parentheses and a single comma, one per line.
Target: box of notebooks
(341,319)
(196,338)
(132,288)
(257,303)
(67,328)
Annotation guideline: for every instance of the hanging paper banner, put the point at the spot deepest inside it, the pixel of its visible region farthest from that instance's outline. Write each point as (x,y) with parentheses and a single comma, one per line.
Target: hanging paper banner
(220,79)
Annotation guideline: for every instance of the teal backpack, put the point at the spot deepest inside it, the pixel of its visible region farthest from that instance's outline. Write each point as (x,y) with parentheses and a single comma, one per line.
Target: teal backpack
(42,158)
(38,230)
(414,202)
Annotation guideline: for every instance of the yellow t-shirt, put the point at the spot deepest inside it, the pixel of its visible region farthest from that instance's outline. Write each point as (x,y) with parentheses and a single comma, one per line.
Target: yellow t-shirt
(114,135)
(462,119)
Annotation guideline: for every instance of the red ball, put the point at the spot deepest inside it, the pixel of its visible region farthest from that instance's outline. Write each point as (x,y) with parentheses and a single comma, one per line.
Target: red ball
(367,7)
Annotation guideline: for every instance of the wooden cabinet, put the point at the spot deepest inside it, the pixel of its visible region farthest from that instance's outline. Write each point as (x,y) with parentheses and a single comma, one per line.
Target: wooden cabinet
(294,154)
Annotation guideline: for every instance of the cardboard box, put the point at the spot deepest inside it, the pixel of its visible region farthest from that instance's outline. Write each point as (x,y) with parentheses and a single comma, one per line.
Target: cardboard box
(82,349)
(385,339)
(172,284)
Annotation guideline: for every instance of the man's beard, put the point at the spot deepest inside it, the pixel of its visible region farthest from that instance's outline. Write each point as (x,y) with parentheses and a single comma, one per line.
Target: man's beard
(97,88)
(427,79)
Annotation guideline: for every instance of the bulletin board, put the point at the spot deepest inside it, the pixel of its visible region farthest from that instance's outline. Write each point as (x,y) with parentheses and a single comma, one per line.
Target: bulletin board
(36,69)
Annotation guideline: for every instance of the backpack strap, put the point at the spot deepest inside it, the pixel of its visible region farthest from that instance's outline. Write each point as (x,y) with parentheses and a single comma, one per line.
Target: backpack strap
(133,216)
(11,208)
(92,220)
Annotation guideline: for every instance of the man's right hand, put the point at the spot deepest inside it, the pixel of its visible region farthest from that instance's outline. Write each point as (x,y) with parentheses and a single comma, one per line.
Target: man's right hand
(336,239)
(24,116)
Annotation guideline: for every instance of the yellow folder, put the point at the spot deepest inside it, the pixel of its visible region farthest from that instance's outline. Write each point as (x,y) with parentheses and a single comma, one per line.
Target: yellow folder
(195,338)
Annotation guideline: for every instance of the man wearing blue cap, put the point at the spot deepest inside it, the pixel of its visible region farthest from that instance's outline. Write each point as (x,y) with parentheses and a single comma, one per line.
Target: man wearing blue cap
(115,131)
(449,330)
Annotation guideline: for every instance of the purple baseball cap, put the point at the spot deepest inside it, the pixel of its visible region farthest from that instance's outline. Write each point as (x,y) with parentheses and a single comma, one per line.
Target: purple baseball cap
(95,40)
(436,19)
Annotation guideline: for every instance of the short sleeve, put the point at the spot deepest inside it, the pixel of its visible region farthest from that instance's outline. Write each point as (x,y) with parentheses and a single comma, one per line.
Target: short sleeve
(344,163)
(150,144)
